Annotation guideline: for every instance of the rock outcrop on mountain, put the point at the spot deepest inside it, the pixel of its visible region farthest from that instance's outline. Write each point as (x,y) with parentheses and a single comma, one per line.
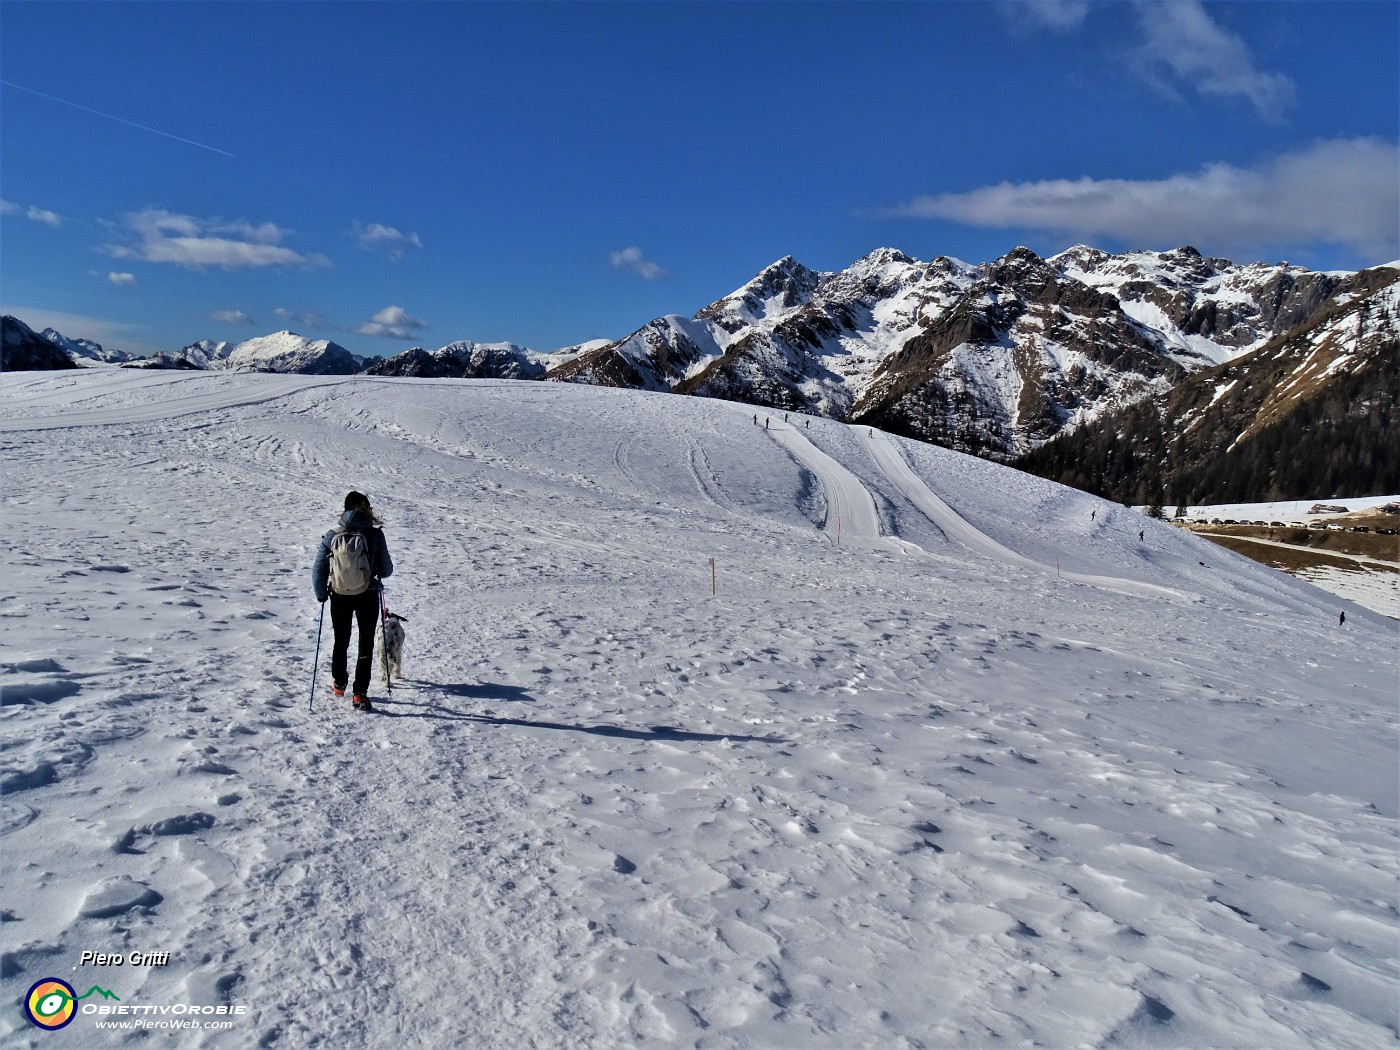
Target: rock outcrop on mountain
(465,360)
(1312,410)
(206,353)
(1024,352)
(22,350)
(1215,305)
(166,361)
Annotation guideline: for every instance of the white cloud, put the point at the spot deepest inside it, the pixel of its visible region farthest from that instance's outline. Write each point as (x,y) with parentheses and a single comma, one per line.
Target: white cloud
(166,237)
(633,261)
(32,213)
(392,322)
(377,237)
(1341,192)
(1051,14)
(122,280)
(1181,46)
(305,318)
(232,317)
(1182,39)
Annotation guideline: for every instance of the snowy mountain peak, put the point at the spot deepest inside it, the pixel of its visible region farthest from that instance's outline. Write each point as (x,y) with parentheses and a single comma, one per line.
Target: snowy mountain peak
(777,289)
(883,257)
(286,351)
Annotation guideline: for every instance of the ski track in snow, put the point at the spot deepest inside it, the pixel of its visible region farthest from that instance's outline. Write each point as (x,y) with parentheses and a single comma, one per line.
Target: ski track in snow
(911,789)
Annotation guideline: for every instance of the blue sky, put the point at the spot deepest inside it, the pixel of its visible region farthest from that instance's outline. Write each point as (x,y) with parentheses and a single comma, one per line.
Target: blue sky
(398,174)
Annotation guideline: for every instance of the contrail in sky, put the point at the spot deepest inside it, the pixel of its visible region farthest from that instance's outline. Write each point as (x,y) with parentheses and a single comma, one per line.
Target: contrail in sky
(109,116)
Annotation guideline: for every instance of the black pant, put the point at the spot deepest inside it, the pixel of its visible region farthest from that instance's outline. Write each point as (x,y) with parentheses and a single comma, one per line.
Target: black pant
(364,609)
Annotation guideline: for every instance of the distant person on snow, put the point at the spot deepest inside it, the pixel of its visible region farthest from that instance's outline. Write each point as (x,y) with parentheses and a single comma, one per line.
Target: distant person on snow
(351,561)
(1342,618)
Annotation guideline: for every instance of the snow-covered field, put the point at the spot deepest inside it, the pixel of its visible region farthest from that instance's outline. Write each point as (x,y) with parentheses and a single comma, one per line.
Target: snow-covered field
(943,762)
(1364,582)
(1289,510)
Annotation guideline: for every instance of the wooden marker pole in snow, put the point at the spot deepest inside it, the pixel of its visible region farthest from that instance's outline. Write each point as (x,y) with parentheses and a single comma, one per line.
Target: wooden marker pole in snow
(712,576)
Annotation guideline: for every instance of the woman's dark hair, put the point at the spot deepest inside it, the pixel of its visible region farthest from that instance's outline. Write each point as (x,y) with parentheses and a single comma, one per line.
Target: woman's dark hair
(359,501)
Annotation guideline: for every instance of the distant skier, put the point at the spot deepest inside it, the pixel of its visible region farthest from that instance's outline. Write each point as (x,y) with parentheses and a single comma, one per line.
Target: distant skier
(1093,514)
(1342,618)
(349,565)
(1140,531)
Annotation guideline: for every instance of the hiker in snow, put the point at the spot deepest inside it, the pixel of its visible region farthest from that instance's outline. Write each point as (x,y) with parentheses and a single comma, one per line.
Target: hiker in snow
(351,561)
(1342,618)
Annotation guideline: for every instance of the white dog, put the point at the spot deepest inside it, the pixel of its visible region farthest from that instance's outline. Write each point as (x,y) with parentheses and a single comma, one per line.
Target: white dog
(392,664)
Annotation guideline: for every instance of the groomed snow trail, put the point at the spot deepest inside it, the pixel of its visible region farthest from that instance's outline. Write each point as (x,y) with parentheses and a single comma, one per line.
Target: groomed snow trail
(852,511)
(862,796)
(890,460)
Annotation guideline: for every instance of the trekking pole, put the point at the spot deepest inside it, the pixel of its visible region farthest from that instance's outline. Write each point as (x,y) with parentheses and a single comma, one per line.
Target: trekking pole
(384,641)
(316,661)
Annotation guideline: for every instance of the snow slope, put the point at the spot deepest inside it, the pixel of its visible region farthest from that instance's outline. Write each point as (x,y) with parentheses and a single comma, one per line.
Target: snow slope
(979,770)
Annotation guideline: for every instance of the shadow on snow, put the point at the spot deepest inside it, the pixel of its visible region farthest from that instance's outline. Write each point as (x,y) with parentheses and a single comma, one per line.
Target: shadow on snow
(484,691)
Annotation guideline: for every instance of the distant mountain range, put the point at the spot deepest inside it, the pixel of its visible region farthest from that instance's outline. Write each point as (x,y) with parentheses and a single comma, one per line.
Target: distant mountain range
(994,359)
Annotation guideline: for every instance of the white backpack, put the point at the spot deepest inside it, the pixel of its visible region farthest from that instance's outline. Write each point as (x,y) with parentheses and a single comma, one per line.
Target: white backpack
(350,569)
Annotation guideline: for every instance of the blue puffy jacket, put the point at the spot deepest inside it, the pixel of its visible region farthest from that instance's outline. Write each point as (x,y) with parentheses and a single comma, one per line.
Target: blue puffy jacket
(380,562)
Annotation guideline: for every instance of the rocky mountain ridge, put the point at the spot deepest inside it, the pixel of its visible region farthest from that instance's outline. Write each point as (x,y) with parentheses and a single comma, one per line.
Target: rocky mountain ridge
(1312,410)
(80,350)
(24,350)
(993,359)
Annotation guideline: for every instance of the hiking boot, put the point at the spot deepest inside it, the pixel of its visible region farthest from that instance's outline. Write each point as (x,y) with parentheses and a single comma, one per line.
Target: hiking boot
(337,691)
(362,703)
